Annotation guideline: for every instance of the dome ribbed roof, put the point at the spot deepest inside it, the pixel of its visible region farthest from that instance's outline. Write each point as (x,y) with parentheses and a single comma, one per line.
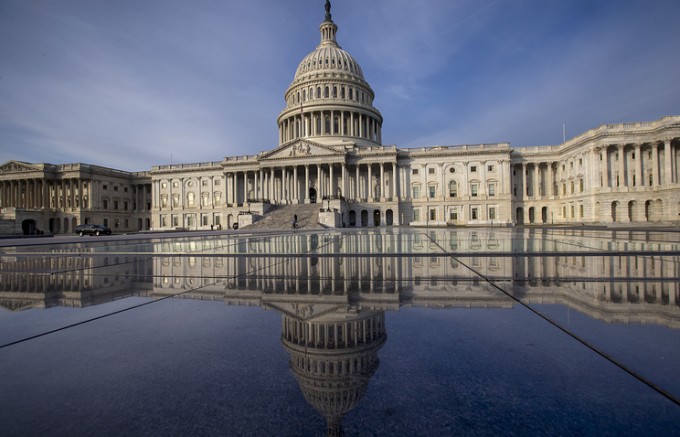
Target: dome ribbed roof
(328,58)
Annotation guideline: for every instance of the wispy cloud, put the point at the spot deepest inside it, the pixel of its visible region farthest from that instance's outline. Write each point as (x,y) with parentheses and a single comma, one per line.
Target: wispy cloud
(128,84)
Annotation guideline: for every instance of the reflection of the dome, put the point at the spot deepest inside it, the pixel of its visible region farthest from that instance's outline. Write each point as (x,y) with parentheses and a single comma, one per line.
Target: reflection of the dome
(333,354)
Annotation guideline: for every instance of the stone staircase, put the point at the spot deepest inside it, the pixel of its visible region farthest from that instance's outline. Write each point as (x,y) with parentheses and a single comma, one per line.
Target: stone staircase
(281,218)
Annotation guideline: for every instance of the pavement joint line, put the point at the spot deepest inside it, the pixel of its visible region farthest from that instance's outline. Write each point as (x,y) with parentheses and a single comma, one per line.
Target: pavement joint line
(576,337)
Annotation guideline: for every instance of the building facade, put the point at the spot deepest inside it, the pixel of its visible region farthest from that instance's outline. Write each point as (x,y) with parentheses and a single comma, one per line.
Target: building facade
(330,152)
(47,198)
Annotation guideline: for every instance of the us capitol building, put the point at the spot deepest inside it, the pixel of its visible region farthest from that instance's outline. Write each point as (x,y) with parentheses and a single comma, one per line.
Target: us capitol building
(331,162)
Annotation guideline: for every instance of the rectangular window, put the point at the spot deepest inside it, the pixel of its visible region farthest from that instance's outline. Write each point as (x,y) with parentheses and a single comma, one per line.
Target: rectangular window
(217,182)
(127,223)
(492,213)
(490,168)
(105,187)
(473,169)
(433,214)
(175,220)
(115,188)
(415,171)
(473,190)
(474,213)
(105,204)
(164,221)
(416,215)
(430,170)
(580,208)
(416,192)
(115,205)
(106,222)
(492,190)
(453,214)
(204,220)
(125,206)
(432,191)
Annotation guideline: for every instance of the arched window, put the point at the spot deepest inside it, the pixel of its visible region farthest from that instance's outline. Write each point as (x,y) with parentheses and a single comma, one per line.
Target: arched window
(453,189)
(325,92)
(335,92)
(318,92)
(328,125)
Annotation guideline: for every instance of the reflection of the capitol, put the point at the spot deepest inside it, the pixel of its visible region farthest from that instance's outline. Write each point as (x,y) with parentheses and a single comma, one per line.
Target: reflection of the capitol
(333,289)
(381,271)
(76,281)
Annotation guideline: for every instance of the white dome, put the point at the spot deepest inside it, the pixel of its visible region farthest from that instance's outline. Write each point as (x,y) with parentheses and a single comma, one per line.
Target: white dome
(328,58)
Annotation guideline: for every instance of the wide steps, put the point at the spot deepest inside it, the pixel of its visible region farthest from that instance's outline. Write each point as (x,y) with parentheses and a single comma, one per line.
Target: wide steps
(281,218)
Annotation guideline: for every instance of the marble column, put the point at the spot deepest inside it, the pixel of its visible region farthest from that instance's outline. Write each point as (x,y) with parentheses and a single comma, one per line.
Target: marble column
(656,181)
(331,183)
(537,180)
(621,180)
(382,182)
(296,185)
(357,187)
(639,177)
(305,193)
(668,163)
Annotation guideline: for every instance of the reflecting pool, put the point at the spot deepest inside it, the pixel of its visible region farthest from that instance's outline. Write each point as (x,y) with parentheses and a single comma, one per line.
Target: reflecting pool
(386,332)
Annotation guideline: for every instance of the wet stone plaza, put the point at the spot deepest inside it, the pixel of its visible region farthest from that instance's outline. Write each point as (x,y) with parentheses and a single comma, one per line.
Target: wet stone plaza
(389,332)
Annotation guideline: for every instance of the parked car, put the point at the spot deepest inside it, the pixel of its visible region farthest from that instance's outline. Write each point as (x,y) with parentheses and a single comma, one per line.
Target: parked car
(92,230)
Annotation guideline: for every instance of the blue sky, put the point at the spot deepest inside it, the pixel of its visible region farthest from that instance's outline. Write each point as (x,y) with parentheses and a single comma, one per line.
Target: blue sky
(131,84)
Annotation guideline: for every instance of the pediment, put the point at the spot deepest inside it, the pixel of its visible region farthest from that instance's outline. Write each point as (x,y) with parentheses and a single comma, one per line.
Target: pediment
(15,304)
(305,311)
(300,149)
(18,166)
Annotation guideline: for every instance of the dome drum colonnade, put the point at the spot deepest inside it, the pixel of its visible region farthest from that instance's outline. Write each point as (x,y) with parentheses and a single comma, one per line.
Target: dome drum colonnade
(329,96)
